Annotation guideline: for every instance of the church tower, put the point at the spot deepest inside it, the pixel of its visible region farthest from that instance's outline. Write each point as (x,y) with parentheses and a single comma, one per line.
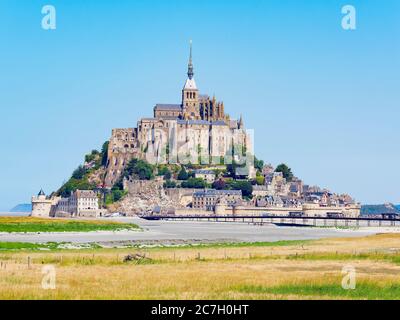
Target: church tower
(190,94)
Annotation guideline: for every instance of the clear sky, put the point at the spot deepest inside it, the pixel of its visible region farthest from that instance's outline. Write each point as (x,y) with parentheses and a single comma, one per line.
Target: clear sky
(322,99)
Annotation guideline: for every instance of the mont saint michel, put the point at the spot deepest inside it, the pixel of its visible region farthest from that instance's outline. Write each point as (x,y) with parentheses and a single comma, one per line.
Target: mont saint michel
(254,163)
(190,158)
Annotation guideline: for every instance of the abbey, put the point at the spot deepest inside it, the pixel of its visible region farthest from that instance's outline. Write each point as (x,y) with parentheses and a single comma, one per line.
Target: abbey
(195,131)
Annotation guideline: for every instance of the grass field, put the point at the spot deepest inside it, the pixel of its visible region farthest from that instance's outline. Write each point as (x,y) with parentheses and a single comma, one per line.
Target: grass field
(282,270)
(29,224)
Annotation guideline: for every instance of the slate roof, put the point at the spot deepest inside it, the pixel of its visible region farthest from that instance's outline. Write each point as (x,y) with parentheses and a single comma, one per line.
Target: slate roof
(85,194)
(218,123)
(161,106)
(180,121)
(214,192)
(202,171)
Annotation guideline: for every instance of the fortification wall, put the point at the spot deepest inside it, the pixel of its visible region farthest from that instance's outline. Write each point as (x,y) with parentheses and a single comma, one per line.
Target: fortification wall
(309,210)
(182,195)
(122,147)
(193,212)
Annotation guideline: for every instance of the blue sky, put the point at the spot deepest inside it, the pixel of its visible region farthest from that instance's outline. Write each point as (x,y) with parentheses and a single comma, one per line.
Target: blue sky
(324,100)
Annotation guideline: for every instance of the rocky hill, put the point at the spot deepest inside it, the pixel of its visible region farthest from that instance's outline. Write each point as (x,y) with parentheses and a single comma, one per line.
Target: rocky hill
(138,190)
(144,196)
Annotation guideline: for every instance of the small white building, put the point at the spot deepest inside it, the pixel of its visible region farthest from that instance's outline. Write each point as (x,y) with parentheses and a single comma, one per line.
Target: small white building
(84,203)
(207,175)
(80,203)
(42,205)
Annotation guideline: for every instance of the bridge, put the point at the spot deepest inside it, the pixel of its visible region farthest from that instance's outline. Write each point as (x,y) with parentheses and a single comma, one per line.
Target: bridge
(286,220)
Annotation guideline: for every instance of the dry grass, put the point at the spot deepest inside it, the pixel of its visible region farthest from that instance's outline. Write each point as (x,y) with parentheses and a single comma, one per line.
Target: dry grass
(311,270)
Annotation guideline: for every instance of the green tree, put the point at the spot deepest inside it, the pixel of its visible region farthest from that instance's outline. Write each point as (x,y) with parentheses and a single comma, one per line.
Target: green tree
(138,167)
(245,186)
(118,194)
(286,171)
(197,183)
(183,175)
(74,184)
(168,175)
(169,184)
(79,173)
(219,184)
(260,180)
(258,164)
(114,196)
(164,171)
(90,157)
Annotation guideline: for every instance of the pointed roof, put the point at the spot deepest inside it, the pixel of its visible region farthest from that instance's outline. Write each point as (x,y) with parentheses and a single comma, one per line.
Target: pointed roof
(241,122)
(41,193)
(190,84)
(190,64)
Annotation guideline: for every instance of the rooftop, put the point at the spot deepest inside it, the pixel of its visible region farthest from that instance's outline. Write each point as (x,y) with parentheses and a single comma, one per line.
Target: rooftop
(190,84)
(203,171)
(214,192)
(161,106)
(85,194)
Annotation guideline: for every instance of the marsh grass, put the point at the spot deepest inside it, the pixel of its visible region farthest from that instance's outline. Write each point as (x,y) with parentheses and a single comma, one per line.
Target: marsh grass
(332,256)
(294,270)
(13,246)
(363,290)
(31,224)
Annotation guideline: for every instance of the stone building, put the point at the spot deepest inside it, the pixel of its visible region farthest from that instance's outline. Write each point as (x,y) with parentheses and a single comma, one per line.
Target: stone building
(206,175)
(42,205)
(260,191)
(197,131)
(81,203)
(208,198)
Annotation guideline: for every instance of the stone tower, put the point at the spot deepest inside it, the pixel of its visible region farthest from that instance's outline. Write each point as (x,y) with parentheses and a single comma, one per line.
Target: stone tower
(190,94)
(41,205)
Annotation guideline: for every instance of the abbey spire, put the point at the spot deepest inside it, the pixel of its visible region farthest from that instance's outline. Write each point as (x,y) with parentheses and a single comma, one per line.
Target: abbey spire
(190,64)
(190,94)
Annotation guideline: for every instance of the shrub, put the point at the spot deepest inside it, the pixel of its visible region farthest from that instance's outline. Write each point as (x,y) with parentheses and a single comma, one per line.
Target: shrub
(79,173)
(196,183)
(169,184)
(183,175)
